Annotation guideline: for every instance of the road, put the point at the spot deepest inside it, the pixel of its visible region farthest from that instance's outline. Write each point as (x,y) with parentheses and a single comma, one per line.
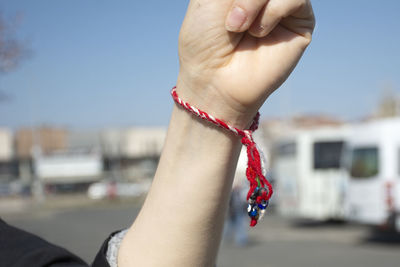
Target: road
(275,242)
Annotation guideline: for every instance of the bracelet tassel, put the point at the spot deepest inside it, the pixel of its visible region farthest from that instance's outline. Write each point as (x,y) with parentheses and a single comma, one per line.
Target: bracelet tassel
(260,190)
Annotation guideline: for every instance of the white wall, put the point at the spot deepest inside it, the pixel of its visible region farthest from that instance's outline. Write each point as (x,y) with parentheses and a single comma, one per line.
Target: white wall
(139,142)
(69,168)
(6,140)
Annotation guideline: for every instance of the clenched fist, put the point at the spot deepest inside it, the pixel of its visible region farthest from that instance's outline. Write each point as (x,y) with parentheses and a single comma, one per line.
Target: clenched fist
(234,54)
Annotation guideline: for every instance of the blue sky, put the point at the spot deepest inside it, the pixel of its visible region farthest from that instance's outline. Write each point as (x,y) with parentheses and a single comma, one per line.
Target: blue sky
(101,63)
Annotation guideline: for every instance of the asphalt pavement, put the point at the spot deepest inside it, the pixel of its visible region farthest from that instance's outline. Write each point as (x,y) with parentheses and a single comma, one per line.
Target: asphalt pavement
(275,242)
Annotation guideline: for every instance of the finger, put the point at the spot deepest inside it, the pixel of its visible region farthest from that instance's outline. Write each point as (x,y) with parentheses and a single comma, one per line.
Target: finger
(274,12)
(242,14)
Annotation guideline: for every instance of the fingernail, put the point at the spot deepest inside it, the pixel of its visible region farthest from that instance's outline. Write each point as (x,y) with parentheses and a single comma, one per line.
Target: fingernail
(257,31)
(236,19)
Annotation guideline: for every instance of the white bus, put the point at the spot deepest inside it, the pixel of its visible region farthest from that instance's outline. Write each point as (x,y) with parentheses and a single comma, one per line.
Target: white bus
(310,179)
(374,173)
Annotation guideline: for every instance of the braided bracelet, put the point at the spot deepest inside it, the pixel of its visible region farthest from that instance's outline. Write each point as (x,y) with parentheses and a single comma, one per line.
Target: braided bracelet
(260,190)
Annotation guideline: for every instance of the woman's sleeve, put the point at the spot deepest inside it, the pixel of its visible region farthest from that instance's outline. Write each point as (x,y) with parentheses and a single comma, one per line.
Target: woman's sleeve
(20,249)
(108,253)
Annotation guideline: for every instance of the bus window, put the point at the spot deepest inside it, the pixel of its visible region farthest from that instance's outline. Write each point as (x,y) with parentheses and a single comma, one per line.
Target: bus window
(286,149)
(327,155)
(364,162)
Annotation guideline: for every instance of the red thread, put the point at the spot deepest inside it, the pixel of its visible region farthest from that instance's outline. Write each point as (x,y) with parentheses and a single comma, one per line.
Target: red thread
(254,168)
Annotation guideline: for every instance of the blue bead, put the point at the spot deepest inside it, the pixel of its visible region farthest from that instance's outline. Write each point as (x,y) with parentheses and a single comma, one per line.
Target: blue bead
(253,213)
(261,206)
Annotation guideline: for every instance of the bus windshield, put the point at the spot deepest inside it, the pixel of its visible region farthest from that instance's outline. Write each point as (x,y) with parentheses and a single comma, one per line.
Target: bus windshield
(364,162)
(327,155)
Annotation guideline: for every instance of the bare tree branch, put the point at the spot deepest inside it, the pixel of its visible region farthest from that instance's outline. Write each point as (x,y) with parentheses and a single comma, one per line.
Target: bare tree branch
(12,50)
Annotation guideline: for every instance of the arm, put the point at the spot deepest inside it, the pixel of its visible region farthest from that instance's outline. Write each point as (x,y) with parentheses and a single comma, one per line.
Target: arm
(229,74)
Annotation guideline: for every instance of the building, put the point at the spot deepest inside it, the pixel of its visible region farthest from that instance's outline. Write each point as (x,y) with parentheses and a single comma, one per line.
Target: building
(132,153)
(143,142)
(47,138)
(6,147)
(7,163)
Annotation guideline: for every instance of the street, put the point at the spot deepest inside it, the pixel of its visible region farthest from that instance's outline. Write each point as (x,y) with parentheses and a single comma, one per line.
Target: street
(275,242)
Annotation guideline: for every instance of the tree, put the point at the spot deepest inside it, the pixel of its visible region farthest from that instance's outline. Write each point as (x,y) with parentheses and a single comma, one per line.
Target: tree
(12,49)
(389,104)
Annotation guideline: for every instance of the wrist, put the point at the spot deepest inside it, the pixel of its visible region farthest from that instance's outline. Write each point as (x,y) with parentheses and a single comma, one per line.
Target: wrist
(205,96)
(260,189)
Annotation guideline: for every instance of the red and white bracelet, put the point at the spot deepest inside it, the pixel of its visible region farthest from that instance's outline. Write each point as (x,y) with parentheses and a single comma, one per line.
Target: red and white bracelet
(260,190)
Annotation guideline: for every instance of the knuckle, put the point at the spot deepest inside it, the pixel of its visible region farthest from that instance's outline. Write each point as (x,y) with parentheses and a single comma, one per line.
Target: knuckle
(260,2)
(307,39)
(256,3)
(274,10)
(301,3)
(253,6)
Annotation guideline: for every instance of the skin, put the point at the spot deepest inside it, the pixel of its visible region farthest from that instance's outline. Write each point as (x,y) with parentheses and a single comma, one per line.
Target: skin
(230,62)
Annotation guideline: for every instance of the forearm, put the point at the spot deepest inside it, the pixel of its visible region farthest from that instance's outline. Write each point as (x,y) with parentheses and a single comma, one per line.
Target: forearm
(228,72)
(181,221)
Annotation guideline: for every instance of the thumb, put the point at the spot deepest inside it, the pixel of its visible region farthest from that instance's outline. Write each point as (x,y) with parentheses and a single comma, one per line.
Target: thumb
(243,13)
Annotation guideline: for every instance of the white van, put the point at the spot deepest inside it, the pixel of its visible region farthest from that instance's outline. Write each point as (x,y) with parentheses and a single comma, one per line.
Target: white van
(374,173)
(310,179)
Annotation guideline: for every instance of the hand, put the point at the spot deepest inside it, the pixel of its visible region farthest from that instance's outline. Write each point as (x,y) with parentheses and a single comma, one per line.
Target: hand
(234,54)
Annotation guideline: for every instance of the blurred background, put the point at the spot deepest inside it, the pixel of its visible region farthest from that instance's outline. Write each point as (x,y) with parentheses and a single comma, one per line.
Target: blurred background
(84,105)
